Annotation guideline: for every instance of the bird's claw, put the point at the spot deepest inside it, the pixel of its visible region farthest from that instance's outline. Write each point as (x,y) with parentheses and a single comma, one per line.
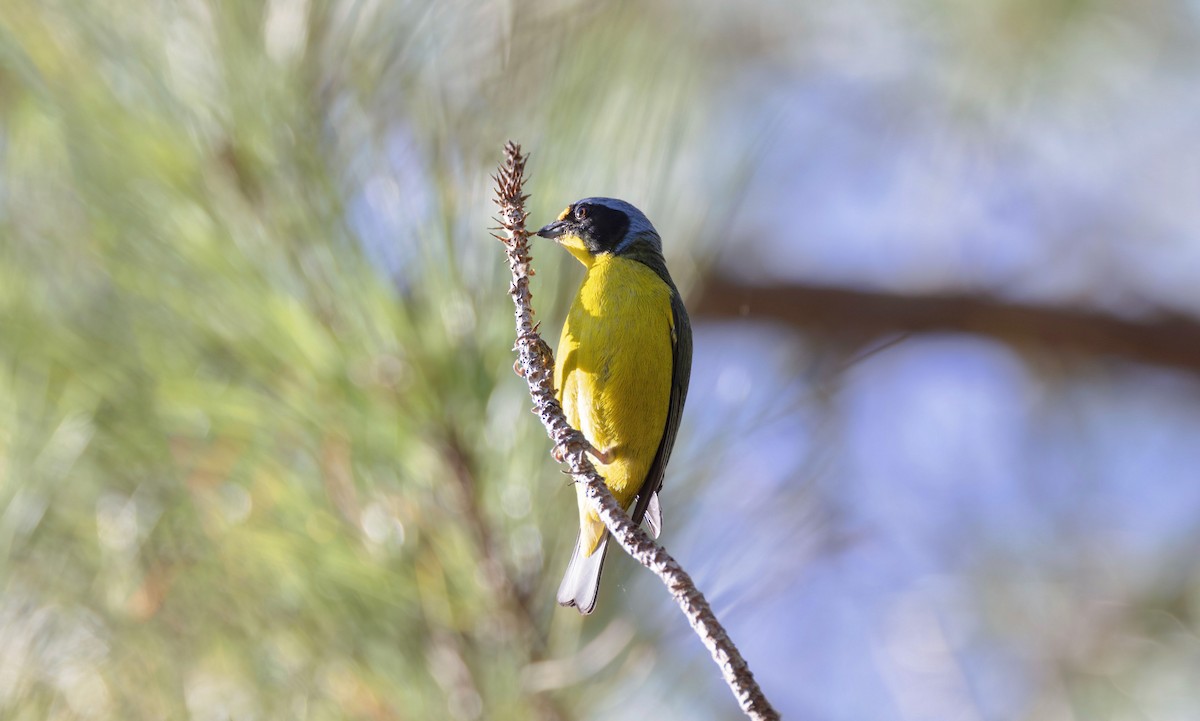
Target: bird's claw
(605,457)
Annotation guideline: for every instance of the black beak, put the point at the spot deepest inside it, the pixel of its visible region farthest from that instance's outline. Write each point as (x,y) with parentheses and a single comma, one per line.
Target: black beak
(553,230)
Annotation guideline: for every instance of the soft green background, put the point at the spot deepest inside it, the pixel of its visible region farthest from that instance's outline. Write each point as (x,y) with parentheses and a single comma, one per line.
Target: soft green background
(246,470)
(262,454)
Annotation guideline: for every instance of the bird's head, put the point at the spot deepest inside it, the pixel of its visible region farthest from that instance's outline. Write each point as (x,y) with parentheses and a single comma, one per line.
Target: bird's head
(596,226)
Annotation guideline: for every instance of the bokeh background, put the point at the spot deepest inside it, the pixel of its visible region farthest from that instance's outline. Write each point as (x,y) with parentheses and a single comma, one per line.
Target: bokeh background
(262,454)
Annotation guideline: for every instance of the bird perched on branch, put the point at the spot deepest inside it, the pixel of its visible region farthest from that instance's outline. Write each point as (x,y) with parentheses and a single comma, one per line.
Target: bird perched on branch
(622,373)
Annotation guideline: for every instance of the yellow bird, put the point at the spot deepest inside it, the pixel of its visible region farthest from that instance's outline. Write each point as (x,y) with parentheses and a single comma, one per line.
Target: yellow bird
(622,373)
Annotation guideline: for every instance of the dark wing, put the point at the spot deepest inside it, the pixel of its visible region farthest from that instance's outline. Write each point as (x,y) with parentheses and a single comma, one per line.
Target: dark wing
(681,373)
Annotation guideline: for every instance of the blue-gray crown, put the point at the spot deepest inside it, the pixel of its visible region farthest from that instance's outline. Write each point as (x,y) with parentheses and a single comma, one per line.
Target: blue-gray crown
(639,224)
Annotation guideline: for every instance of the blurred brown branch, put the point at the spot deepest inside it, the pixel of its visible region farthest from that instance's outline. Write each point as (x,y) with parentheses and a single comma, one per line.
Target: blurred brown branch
(513,610)
(1161,339)
(533,364)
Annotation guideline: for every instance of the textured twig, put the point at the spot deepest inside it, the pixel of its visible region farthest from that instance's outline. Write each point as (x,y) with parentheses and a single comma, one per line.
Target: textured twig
(534,361)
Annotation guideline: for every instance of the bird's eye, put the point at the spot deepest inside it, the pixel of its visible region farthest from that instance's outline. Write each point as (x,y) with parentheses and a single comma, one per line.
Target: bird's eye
(580,212)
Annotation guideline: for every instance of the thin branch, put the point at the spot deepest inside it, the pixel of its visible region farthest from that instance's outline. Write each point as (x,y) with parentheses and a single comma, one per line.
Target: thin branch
(1162,338)
(534,361)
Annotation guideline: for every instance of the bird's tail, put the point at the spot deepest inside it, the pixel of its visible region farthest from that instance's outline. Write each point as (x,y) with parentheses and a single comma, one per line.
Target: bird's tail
(581,582)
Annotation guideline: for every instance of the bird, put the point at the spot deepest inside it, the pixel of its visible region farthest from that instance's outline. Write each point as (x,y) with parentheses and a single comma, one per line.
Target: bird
(623,365)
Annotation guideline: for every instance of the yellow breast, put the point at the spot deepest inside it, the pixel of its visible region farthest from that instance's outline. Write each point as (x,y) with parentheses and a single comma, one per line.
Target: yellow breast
(614,367)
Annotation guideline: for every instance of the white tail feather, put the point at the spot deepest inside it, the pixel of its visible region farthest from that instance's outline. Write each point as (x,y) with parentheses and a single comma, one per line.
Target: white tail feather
(654,515)
(581,582)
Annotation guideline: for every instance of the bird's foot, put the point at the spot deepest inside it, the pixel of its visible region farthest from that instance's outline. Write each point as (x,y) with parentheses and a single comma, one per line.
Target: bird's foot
(605,456)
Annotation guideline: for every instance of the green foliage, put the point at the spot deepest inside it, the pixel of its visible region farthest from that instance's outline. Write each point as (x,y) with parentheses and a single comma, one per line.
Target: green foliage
(245,472)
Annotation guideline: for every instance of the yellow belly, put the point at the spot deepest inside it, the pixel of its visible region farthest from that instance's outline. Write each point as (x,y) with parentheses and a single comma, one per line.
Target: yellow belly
(613,374)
